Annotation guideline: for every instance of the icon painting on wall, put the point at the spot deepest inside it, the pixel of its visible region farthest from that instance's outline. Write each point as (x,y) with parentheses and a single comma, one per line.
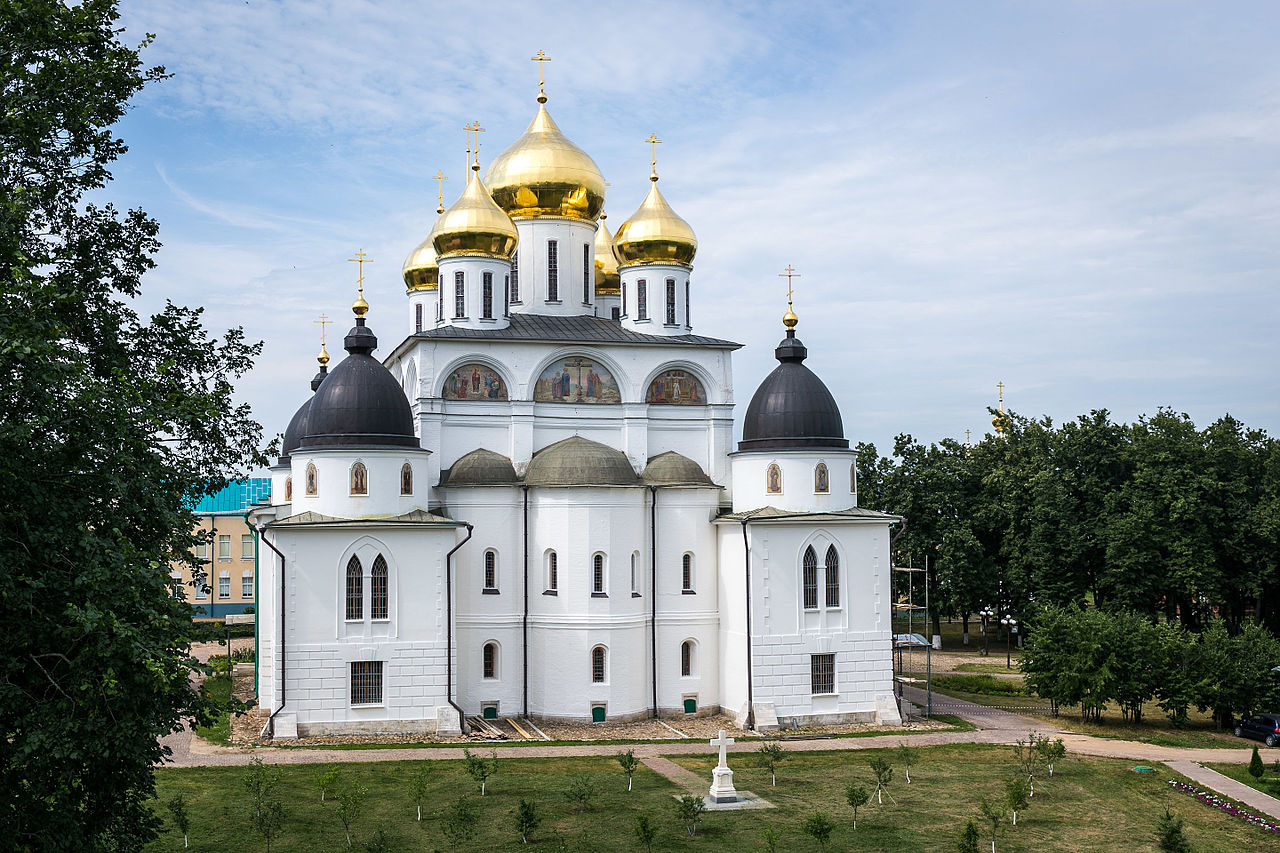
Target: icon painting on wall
(576,380)
(474,382)
(676,388)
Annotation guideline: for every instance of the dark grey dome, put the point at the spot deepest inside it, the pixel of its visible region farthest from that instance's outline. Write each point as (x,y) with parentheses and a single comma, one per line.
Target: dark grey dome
(792,408)
(360,403)
(480,468)
(577,461)
(297,428)
(672,469)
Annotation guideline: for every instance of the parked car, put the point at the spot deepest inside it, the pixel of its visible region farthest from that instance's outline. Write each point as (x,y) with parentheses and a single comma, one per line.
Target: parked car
(1263,727)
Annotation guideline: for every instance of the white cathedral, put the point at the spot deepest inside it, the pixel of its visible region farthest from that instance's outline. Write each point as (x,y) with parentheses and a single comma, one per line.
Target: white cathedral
(532,506)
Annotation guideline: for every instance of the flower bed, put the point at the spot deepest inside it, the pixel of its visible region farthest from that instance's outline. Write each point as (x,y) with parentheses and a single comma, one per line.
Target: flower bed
(1209,798)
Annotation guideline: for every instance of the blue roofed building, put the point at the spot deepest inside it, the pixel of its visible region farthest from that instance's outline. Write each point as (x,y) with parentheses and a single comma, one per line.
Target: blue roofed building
(229,552)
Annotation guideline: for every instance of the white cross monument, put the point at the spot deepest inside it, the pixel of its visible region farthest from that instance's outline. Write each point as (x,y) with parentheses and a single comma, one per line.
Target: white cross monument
(722,777)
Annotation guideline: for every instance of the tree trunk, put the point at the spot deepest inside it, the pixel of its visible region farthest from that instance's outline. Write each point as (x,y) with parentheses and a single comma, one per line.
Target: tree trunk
(1015,817)
(628,784)
(965,632)
(185,844)
(908,772)
(419,814)
(775,779)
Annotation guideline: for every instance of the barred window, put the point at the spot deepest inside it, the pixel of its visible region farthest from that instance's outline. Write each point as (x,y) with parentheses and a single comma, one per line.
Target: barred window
(597,574)
(246,585)
(586,274)
(671,302)
(553,580)
(623,310)
(687,320)
(459,295)
(553,272)
(810,579)
(597,665)
(355,589)
(635,579)
(686,571)
(822,673)
(417,317)
(515,277)
(490,570)
(486,295)
(642,299)
(833,577)
(686,658)
(366,682)
(224,585)
(378,608)
(490,656)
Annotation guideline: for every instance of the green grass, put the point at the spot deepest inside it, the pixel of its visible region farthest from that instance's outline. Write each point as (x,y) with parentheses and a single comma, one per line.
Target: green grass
(1090,804)
(993,668)
(986,685)
(1270,781)
(219,687)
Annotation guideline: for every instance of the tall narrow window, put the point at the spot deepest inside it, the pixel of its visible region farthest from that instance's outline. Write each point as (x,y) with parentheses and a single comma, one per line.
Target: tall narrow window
(597,665)
(822,674)
(366,682)
(553,272)
(459,295)
(624,300)
(671,302)
(686,573)
(635,580)
(486,295)
(506,296)
(490,660)
(359,479)
(687,319)
(312,484)
(642,299)
(853,478)
(355,589)
(224,585)
(515,277)
(246,585)
(833,577)
(597,574)
(224,547)
(553,573)
(686,658)
(440,301)
(406,479)
(821,479)
(378,605)
(490,571)
(417,317)
(615,313)
(586,274)
(810,579)
(246,546)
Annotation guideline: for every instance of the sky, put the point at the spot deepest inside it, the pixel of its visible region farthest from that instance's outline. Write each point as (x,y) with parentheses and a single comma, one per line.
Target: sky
(1078,199)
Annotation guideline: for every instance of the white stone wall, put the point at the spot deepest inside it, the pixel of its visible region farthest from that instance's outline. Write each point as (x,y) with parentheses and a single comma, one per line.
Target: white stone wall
(655,277)
(430,302)
(570,236)
(798,469)
(333,481)
(473,270)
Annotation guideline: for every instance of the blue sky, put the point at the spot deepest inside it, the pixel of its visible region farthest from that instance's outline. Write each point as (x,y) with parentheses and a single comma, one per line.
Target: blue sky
(1079,199)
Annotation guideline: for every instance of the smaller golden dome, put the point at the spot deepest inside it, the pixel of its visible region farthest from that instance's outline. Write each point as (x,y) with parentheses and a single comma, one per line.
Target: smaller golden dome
(474,225)
(608,282)
(323,357)
(544,174)
(360,307)
(655,234)
(790,319)
(421,272)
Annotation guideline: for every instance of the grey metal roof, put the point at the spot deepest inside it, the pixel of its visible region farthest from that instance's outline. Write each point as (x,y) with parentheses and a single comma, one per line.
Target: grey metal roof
(480,468)
(578,461)
(772,513)
(674,469)
(578,330)
(416,516)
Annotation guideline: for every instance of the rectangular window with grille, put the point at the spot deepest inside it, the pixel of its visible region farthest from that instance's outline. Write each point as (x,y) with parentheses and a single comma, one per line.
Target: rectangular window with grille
(642,300)
(366,682)
(553,272)
(417,317)
(246,585)
(687,321)
(822,673)
(459,295)
(810,580)
(671,302)
(515,277)
(224,585)
(586,274)
(490,570)
(486,286)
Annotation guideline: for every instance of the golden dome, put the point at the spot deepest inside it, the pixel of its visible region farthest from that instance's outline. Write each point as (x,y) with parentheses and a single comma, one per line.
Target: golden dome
(608,282)
(655,234)
(474,225)
(544,174)
(420,270)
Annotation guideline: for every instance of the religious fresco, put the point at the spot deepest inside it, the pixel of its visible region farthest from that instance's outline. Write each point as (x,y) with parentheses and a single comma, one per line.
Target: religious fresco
(774,479)
(576,380)
(821,482)
(474,382)
(676,388)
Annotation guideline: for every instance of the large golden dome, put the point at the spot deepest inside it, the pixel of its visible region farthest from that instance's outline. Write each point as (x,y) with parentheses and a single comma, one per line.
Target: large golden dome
(474,225)
(544,174)
(655,234)
(420,270)
(608,282)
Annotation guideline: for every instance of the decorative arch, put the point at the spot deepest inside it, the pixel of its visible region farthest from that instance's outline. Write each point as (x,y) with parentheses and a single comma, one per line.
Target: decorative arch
(365,586)
(695,373)
(552,562)
(773,479)
(577,378)
(821,479)
(599,665)
(490,578)
(406,479)
(598,573)
(820,571)
(313,479)
(475,381)
(411,376)
(359,479)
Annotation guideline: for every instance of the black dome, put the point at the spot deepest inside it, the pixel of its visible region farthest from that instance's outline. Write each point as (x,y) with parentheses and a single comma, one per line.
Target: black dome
(792,408)
(297,428)
(360,403)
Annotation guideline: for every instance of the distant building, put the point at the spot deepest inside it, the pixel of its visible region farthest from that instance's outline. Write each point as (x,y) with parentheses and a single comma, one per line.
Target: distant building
(230,552)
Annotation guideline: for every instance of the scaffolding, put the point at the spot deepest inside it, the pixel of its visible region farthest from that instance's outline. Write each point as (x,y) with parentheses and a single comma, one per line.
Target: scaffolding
(910,640)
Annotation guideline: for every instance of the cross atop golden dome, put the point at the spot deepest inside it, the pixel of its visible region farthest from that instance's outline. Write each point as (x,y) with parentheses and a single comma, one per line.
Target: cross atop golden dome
(544,174)
(789,319)
(360,307)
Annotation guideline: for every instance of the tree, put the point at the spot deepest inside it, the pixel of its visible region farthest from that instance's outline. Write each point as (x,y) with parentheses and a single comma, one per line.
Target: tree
(480,768)
(182,818)
(968,841)
(580,793)
(351,799)
(1029,756)
(460,822)
(1256,770)
(1017,795)
(418,785)
(260,781)
(268,820)
(770,755)
(1051,752)
(527,819)
(689,810)
(770,837)
(645,832)
(906,756)
(883,772)
(629,763)
(1169,834)
(326,778)
(111,425)
(857,797)
(820,826)
(377,843)
(994,815)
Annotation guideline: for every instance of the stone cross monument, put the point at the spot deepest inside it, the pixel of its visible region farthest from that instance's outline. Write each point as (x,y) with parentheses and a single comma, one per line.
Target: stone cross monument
(722,790)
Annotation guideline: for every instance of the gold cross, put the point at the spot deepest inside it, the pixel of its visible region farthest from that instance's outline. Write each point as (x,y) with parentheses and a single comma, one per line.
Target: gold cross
(654,142)
(475,128)
(789,274)
(1000,385)
(540,58)
(361,259)
(966,438)
(323,321)
(440,179)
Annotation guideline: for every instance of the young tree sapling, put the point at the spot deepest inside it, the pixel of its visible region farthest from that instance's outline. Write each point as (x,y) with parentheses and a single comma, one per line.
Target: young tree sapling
(629,763)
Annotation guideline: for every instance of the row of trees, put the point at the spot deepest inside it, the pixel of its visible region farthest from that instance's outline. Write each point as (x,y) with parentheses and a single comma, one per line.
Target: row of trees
(1157,517)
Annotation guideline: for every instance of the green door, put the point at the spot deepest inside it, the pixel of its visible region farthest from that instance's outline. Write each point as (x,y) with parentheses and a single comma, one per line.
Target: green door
(597,714)
(691,706)
(491,712)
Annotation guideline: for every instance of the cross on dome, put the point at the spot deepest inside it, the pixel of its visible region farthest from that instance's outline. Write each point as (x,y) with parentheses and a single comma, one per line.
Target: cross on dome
(360,307)
(540,58)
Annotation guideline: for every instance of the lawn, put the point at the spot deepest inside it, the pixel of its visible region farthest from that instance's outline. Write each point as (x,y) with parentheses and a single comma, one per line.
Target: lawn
(1090,804)
(1270,781)
(219,687)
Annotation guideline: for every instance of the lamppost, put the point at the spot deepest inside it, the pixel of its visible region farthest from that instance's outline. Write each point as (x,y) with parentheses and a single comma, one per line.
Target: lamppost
(986,613)
(1011,627)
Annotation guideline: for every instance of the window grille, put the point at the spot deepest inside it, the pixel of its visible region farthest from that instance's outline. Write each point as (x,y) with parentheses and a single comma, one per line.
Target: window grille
(490,660)
(642,299)
(378,608)
(822,673)
(597,573)
(586,274)
(686,658)
(671,302)
(417,317)
(366,682)
(635,589)
(486,289)
(597,665)
(355,589)
(490,570)
(515,277)
(459,295)
(833,577)
(686,581)
(246,585)
(810,579)
(224,585)
(553,580)
(553,272)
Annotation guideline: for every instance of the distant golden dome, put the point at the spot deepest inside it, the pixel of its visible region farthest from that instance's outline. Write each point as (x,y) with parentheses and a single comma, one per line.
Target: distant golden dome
(544,174)
(608,282)
(474,225)
(655,234)
(420,270)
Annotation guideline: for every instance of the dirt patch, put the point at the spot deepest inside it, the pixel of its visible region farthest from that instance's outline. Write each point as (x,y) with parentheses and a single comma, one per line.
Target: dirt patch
(203,651)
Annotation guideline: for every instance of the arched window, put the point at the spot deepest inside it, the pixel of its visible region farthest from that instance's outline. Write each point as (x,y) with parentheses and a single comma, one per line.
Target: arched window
(553,575)
(833,577)
(490,571)
(686,573)
(490,660)
(773,479)
(635,578)
(821,480)
(378,589)
(312,485)
(597,665)
(597,574)
(288,489)
(810,579)
(686,658)
(853,478)
(406,479)
(359,479)
(355,589)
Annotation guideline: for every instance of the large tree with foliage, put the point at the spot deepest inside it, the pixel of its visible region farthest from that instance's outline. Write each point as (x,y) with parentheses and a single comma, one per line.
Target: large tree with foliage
(111,424)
